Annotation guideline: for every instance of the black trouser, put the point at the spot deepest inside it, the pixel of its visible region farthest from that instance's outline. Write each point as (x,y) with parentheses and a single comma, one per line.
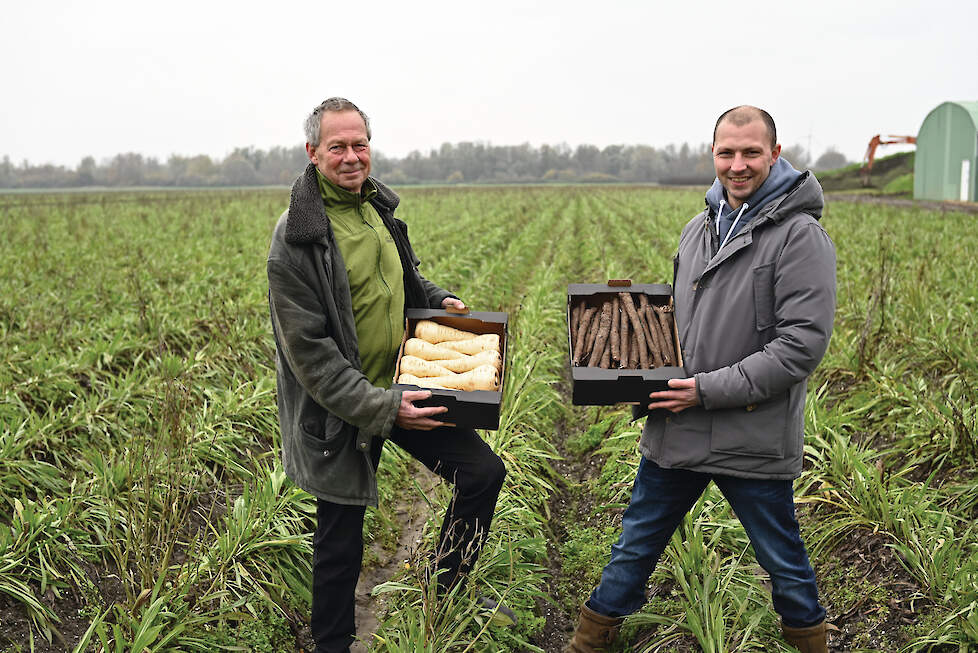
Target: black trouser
(456,454)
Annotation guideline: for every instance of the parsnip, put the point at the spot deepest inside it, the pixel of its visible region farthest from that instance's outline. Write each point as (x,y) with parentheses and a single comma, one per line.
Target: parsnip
(421,367)
(484,377)
(428,351)
(466,363)
(435,333)
(485,342)
(410,379)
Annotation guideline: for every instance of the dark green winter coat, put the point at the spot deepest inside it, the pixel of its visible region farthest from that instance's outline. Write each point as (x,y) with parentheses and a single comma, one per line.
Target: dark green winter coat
(328,411)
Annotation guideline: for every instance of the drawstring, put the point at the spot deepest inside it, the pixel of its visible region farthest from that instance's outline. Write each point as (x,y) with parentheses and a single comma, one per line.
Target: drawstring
(732,227)
(719,213)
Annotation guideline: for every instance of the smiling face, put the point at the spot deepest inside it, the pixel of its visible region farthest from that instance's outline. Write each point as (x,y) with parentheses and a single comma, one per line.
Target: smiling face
(343,153)
(743,156)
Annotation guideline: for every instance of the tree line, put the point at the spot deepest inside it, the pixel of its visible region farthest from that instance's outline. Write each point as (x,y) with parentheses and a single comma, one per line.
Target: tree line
(464,162)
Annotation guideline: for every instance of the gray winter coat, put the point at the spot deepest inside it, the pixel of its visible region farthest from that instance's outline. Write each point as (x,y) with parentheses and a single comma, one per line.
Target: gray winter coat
(328,411)
(754,321)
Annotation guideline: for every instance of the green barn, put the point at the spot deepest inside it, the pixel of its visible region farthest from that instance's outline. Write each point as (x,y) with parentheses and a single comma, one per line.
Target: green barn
(946,162)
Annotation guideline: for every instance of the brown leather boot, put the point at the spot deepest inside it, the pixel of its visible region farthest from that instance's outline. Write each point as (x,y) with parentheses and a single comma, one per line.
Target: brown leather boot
(594,632)
(806,640)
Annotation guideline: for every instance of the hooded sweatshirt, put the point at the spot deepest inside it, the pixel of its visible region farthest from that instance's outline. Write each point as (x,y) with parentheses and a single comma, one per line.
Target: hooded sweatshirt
(754,321)
(778,181)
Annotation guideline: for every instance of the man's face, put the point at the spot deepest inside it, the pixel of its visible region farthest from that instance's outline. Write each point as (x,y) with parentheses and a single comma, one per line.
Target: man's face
(743,157)
(343,153)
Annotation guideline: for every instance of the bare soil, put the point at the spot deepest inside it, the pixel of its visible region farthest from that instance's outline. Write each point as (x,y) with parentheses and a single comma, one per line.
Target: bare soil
(906,202)
(564,509)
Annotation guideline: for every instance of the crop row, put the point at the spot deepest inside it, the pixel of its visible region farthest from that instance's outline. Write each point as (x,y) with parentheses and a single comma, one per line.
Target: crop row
(142,504)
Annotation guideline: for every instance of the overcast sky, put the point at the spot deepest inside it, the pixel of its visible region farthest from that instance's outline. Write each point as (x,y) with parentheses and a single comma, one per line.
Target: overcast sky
(203,77)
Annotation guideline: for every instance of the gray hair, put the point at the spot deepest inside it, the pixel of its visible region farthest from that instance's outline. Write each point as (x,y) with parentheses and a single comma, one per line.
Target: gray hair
(314,121)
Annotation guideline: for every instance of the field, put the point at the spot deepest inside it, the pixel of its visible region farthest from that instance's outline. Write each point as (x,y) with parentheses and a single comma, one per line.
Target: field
(143,506)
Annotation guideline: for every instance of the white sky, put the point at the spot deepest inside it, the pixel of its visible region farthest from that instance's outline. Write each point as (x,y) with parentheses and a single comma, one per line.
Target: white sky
(203,77)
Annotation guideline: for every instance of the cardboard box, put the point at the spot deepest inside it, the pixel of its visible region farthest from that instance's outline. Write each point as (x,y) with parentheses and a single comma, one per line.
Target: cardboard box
(594,386)
(477,409)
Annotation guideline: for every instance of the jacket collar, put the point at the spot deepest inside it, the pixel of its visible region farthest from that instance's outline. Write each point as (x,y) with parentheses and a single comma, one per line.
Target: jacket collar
(307,221)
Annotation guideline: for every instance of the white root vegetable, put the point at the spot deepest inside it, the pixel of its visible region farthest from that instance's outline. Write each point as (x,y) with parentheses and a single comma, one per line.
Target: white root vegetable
(466,362)
(484,377)
(485,342)
(435,333)
(428,351)
(410,379)
(420,367)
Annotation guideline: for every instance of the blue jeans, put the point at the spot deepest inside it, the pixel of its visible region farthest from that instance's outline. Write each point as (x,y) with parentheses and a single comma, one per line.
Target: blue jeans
(660,500)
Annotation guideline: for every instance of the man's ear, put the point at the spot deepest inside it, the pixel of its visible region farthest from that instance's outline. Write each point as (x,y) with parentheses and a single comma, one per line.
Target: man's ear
(311,153)
(775,153)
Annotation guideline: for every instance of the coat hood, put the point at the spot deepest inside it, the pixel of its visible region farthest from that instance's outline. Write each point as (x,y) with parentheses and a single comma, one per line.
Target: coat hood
(784,192)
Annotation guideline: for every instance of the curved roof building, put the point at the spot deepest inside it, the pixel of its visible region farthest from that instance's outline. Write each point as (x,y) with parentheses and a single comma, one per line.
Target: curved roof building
(946,162)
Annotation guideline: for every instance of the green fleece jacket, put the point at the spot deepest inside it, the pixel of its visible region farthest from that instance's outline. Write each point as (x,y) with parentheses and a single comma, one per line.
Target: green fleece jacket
(376,278)
(329,411)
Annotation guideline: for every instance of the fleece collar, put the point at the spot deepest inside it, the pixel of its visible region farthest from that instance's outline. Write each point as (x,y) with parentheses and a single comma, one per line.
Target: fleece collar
(307,221)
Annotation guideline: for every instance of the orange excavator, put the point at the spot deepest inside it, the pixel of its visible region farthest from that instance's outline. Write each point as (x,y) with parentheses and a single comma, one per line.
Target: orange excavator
(875,142)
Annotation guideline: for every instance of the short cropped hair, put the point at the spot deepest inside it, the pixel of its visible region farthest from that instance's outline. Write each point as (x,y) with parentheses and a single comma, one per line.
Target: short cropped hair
(744,114)
(314,120)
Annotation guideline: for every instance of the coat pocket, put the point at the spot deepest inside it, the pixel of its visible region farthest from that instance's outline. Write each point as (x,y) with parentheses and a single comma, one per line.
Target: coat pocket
(757,430)
(764,296)
(326,435)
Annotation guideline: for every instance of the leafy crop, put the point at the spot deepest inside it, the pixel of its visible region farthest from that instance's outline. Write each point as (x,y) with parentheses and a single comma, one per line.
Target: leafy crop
(143,507)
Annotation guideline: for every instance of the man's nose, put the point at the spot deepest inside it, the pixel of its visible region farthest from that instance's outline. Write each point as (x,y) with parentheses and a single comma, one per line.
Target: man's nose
(350,156)
(739,161)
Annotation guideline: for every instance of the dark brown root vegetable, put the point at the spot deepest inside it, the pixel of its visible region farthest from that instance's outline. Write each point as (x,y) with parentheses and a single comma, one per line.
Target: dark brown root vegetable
(634,360)
(653,326)
(626,341)
(615,329)
(639,342)
(575,321)
(656,326)
(601,335)
(586,320)
(651,341)
(665,316)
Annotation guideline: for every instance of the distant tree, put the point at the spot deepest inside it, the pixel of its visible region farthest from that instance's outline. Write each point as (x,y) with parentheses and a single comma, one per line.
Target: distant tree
(125,170)
(456,177)
(613,160)
(239,170)
(830,160)
(586,158)
(645,164)
(797,156)
(86,171)
(6,173)
(200,171)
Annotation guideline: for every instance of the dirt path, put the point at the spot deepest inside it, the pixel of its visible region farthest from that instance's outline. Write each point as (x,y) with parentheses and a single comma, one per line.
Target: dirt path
(412,512)
(943,207)
(568,506)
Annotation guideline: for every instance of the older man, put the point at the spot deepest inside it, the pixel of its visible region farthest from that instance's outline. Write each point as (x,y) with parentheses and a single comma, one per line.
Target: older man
(755,299)
(341,271)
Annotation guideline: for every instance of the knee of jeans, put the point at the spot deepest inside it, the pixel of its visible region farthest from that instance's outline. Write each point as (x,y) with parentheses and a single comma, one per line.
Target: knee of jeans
(486,479)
